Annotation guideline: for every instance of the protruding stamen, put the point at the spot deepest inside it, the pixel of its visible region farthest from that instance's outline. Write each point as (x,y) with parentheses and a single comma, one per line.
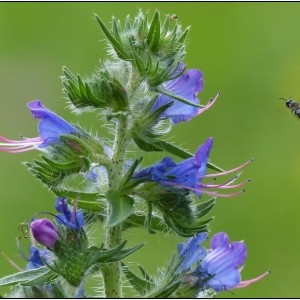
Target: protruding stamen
(14,146)
(248,282)
(225,185)
(208,105)
(229,171)
(214,194)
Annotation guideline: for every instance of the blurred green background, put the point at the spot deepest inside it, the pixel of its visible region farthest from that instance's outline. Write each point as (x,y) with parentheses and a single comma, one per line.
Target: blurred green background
(248,51)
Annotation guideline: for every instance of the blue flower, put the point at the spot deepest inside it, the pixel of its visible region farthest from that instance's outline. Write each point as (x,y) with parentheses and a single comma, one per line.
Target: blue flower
(35,260)
(187,174)
(50,127)
(220,267)
(70,219)
(191,251)
(190,173)
(187,86)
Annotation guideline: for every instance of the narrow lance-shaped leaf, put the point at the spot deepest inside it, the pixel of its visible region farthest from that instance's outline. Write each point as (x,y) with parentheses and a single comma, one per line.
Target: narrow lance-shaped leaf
(117,46)
(23,276)
(166,92)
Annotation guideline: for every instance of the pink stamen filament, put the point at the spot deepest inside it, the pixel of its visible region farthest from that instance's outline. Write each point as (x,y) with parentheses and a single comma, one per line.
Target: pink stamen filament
(248,282)
(208,105)
(229,171)
(14,146)
(225,185)
(214,194)
(210,193)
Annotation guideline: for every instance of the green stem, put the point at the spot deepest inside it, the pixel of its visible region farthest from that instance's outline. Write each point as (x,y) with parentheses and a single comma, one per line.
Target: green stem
(113,235)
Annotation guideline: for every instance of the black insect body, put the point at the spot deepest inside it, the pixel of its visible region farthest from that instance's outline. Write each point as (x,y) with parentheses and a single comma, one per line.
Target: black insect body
(294,106)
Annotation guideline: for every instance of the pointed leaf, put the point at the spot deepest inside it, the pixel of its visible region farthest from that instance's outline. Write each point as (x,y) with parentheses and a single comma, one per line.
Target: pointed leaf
(205,207)
(165,292)
(122,207)
(117,46)
(23,276)
(43,279)
(168,93)
(141,285)
(125,252)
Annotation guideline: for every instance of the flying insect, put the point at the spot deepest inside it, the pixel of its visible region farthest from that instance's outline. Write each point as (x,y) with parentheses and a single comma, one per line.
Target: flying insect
(294,106)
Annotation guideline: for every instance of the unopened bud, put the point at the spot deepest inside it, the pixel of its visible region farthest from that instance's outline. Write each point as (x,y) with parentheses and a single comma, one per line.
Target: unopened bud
(45,232)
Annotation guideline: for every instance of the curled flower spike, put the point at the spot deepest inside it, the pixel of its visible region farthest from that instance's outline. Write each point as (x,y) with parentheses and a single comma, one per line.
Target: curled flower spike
(50,128)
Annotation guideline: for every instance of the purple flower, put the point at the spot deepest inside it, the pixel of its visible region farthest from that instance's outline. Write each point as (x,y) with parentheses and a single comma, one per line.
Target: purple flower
(190,173)
(45,232)
(218,268)
(50,127)
(191,251)
(72,220)
(187,174)
(221,265)
(187,86)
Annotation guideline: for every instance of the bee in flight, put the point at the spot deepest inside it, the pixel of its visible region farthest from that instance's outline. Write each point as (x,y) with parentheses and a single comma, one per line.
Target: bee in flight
(294,106)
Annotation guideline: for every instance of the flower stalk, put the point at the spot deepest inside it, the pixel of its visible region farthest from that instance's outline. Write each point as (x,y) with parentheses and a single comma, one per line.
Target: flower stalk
(113,235)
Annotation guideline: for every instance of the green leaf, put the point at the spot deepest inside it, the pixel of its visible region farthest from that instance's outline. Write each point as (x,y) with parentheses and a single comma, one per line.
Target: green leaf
(122,207)
(168,93)
(173,149)
(125,252)
(139,221)
(141,285)
(23,276)
(126,178)
(88,198)
(114,42)
(205,207)
(43,279)
(165,292)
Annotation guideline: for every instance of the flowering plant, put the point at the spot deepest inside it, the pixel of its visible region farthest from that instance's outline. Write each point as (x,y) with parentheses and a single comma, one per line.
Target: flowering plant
(142,90)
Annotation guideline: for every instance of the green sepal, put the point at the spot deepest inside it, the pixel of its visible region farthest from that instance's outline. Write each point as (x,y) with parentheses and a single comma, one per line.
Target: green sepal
(153,37)
(140,284)
(187,231)
(97,255)
(114,42)
(165,291)
(204,208)
(128,175)
(155,223)
(25,276)
(122,207)
(125,252)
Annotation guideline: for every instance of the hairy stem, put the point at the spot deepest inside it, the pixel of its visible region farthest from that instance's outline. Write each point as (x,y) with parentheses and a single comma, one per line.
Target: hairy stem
(113,235)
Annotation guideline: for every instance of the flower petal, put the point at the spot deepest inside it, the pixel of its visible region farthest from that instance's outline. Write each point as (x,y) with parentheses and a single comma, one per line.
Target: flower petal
(51,125)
